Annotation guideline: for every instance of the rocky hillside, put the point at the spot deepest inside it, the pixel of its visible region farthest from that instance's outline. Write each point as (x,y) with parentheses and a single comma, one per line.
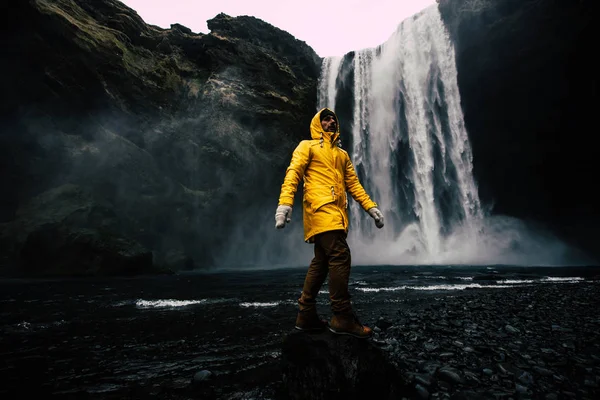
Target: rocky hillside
(529,93)
(138,145)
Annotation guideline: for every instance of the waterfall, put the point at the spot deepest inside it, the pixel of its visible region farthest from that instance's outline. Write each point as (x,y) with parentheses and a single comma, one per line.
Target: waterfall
(360,126)
(409,142)
(327,84)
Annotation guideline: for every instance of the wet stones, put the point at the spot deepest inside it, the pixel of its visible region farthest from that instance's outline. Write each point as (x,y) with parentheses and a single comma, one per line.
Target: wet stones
(524,342)
(202,384)
(383,323)
(450,375)
(202,376)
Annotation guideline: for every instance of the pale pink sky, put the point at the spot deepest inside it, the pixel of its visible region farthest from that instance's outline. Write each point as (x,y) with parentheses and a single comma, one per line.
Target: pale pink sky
(331,28)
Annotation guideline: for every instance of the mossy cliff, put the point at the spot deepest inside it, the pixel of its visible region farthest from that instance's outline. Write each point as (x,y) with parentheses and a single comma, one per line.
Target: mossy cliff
(155,136)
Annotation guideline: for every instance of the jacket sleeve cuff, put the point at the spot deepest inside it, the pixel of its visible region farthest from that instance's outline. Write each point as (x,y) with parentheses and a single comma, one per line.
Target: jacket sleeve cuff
(286,201)
(369,205)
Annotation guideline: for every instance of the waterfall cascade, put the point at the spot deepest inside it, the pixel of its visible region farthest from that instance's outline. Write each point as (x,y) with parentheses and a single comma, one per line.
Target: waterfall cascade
(407,138)
(410,148)
(329,72)
(409,143)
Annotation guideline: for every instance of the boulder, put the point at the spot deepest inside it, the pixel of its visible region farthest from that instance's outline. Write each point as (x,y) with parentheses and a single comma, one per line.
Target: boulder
(326,366)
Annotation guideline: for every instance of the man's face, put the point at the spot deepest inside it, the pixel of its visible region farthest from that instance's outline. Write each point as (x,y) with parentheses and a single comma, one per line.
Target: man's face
(329,124)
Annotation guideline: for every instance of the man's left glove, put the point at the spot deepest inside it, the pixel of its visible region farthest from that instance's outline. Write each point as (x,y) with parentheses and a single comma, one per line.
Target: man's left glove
(377,216)
(283,215)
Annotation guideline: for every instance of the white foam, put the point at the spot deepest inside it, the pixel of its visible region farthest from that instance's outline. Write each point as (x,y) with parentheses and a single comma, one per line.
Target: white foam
(515,281)
(24,325)
(259,304)
(167,303)
(429,277)
(381,289)
(28,326)
(461,287)
(435,287)
(562,279)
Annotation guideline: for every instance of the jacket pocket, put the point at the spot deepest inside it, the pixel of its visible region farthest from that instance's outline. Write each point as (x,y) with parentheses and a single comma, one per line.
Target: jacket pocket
(320,203)
(318,197)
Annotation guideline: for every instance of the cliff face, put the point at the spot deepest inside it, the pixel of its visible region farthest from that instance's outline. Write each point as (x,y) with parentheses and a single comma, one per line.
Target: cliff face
(156,136)
(529,93)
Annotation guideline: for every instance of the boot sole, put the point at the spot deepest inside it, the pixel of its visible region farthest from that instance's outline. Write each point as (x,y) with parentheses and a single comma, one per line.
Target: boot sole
(309,329)
(350,334)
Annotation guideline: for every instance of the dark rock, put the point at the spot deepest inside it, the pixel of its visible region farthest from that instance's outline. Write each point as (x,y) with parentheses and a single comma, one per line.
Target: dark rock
(66,232)
(181,28)
(525,378)
(511,329)
(159,126)
(327,366)
(450,375)
(430,367)
(471,378)
(422,392)
(468,395)
(56,251)
(520,388)
(542,371)
(423,379)
(202,376)
(203,384)
(383,323)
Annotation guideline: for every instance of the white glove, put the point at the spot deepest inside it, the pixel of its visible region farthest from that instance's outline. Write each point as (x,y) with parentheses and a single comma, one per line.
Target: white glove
(377,216)
(283,215)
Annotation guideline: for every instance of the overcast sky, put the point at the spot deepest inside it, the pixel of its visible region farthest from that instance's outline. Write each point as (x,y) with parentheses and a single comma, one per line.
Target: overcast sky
(331,28)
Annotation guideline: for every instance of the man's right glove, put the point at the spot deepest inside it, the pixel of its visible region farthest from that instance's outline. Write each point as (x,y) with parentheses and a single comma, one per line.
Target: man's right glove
(377,216)
(283,215)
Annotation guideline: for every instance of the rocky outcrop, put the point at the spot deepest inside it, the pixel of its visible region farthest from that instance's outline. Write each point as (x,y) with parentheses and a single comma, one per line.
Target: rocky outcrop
(169,131)
(53,237)
(327,366)
(529,92)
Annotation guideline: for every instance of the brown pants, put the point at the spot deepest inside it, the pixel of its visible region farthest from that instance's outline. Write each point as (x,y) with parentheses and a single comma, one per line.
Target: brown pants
(332,255)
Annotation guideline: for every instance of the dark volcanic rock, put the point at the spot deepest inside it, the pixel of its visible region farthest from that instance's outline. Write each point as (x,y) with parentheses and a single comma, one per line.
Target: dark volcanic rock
(65,231)
(522,342)
(170,130)
(529,91)
(327,366)
(54,250)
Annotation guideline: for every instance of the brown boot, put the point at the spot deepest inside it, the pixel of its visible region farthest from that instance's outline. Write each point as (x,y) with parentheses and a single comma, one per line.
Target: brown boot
(348,324)
(309,321)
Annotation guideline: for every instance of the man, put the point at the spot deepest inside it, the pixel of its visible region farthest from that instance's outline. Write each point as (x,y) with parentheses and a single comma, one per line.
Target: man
(328,173)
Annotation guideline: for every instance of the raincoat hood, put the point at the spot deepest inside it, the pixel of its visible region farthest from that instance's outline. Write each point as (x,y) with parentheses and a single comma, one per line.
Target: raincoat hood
(317,132)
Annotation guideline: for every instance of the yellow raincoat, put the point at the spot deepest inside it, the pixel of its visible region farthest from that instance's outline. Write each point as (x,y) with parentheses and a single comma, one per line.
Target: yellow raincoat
(328,173)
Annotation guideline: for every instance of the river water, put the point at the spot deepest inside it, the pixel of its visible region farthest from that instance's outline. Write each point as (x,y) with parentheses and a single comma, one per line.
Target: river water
(100,337)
